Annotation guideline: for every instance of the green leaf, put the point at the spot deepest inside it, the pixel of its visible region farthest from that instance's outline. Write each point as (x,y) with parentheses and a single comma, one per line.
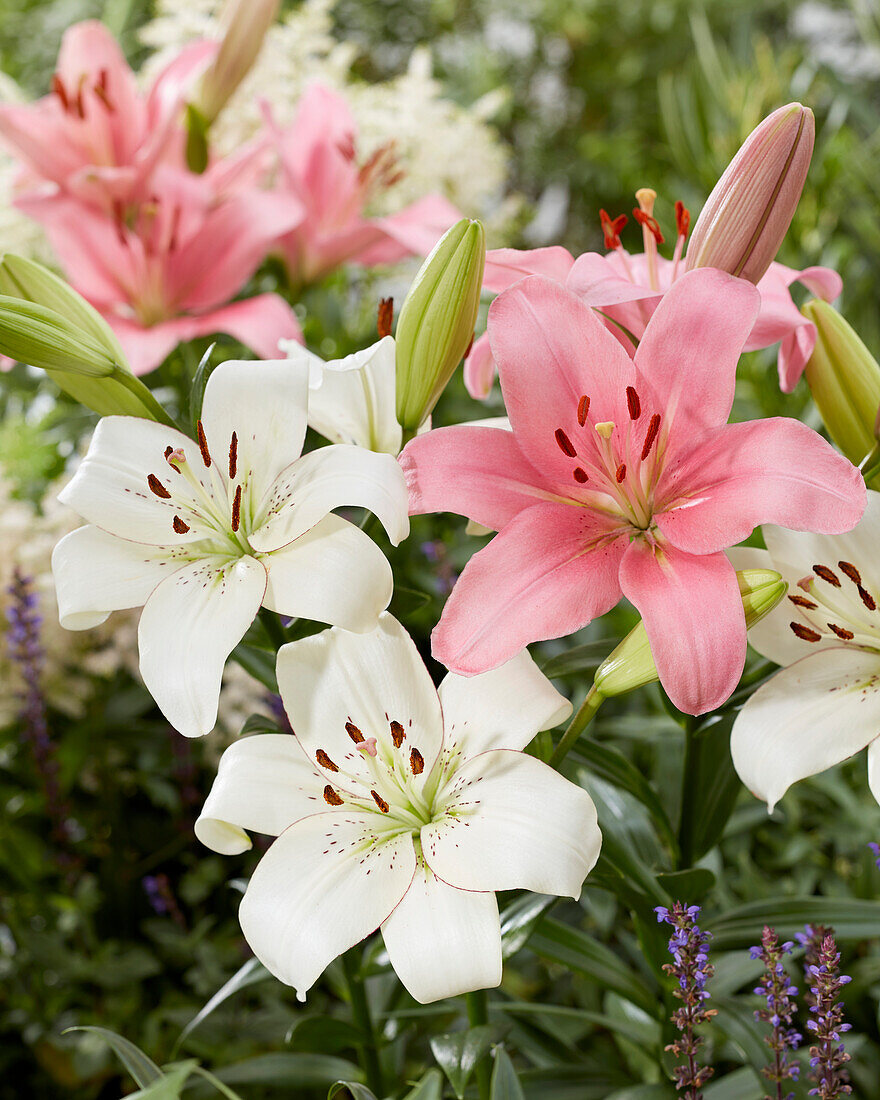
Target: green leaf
(258,723)
(250,973)
(458,1052)
(581,658)
(711,789)
(300,1070)
(170,1085)
(645,1092)
(737,1021)
(324,1034)
(406,602)
(429,1088)
(520,918)
(851,918)
(354,1090)
(259,663)
(505,1083)
(693,883)
(141,1067)
(197,390)
(742,1084)
(634,1029)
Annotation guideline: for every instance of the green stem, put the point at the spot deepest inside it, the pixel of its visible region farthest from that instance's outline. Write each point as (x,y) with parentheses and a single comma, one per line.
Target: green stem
(688,782)
(478,1016)
(272,625)
(586,713)
(368,1050)
(144,395)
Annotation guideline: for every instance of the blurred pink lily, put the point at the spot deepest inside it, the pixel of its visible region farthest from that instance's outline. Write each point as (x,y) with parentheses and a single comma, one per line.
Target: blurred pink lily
(622,477)
(165,272)
(95,136)
(319,166)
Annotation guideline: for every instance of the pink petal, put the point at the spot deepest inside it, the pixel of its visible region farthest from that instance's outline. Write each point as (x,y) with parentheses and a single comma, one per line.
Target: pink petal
(694,618)
(413,231)
(148,348)
(692,345)
(506,266)
(794,351)
(823,282)
(551,351)
(550,571)
(596,282)
(480,369)
(475,472)
(40,134)
(763,471)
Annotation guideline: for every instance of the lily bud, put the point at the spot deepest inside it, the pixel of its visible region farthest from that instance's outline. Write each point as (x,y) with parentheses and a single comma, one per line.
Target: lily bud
(844,379)
(436,324)
(244,24)
(749,211)
(631,664)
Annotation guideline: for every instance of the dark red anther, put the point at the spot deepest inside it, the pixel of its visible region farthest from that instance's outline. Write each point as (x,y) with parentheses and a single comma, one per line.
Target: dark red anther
(157,487)
(867,599)
(849,570)
(100,90)
(354,733)
(682,219)
(345,145)
(325,761)
(380,802)
(384,317)
(827,575)
(168,450)
(802,601)
(580,475)
(233,455)
(612,228)
(846,635)
(175,228)
(804,633)
(59,90)
(397,734)
(650,223)
(416,762)
(620,475)
(331,797)
(203,443)
(565,444)
(236,509)
(633,403)
(179,526)
(653,429)
(583,410)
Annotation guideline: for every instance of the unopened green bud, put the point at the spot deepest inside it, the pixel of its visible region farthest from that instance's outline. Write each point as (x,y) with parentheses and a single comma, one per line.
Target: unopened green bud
(631,664)
(844,379)
(244,24)
(437,320)
(35,334)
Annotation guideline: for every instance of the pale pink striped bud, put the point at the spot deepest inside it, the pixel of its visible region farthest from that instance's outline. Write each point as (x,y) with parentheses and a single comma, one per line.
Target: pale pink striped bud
(749,211)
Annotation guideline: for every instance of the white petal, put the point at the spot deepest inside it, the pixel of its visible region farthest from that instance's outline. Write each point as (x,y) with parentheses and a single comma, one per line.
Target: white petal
(808,717)
(354,401)
(189,626)
(264,783)
(500,709)
(334,573)
(96,573)
(443,942)
(368,679)
(265,404)
(110,490)
(332,477)
(322,887)
(518,824)
(874,768)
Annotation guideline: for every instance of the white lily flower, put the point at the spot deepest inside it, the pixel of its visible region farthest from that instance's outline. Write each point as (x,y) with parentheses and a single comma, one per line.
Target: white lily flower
(204,533)
(400,807)
(824,705)
(352,400)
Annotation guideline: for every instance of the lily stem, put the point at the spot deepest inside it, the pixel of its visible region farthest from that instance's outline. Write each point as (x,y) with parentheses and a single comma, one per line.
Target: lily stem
(368,1049)
(688,782)
(272,625)
(478,1015)
(585,714)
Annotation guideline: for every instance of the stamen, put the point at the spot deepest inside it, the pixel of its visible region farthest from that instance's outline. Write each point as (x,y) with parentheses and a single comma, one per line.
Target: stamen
(203,444)
(416,762)
(380,802)
(384,317)
(169,450)
(325,761)
(605,429)
(867,599)
(846,635)
(805,633)
(849,570)
(157,487)
(353,732)
(59,90)
(583,410)
(368,746)
(827,575)
(650,223)
(611,228)
(620,475)
(565,444)
(580,475)
(236,508)
(397,734)
(682,219)
(633,403)
(802,601)
(331,797)
(179,526)
(653,429)
(233,455)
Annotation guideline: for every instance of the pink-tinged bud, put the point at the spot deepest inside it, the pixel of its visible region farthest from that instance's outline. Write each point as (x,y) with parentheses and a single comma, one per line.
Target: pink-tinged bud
(244,24)
(749,211)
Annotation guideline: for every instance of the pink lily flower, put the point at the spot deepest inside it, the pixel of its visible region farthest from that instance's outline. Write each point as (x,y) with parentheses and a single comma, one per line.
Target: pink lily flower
(319,166)
(621,476)
(166,271)
(95,136)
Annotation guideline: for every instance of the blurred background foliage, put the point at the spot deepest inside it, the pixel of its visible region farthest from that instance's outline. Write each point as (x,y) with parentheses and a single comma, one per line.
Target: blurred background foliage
(112,915)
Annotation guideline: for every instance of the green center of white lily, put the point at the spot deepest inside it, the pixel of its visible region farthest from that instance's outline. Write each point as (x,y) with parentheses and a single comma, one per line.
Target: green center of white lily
(835,604)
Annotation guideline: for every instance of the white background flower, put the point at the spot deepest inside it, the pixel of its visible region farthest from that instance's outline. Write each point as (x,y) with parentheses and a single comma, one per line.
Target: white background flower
(398,806)
(203,533)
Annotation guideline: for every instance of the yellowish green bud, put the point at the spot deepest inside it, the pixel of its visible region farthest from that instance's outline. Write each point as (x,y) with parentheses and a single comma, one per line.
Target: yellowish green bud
(631,664)
(844,379)
(244,24)
(436,323)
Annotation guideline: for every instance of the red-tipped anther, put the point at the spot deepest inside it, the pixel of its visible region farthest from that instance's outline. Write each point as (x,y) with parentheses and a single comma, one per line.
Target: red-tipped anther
(236,509)
(325,761)
(682,219)
(397,734)
(845,635)
(416,762)
(583,410)
(867,599)
(179,526)
(620,475)
(384,317)
(59,90)
(353,732)
(612,228)
(345,145)
(203,443)
(849,570)
(380,802)
(157,487)
(653,429)
(580,475)
(633,403)
(331,797)
(827,575)
(802,601)
(650,223)
(804,633)
(100,90)
(233,455)
(565,444)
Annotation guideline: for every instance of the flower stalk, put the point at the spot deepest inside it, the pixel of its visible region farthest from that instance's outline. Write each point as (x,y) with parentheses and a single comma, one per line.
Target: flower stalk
(828,1057)
(777,990)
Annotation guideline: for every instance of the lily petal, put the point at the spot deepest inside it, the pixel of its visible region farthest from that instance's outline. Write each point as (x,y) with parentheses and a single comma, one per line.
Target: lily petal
(264,783)
(443,942)
(506,266)
(694,618)
(189,626)
(518,825)
(479,368)
(309,899)
(808,717)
